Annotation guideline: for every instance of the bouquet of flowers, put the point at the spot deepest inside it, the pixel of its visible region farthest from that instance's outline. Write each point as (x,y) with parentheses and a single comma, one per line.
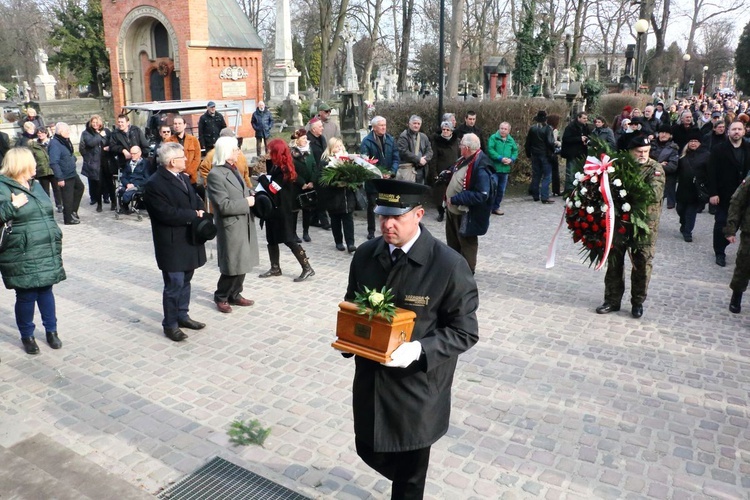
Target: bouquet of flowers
(373,302)
(349,171)
(610,200)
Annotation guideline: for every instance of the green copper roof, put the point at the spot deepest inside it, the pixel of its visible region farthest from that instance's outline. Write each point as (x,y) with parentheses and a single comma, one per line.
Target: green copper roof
(229,27)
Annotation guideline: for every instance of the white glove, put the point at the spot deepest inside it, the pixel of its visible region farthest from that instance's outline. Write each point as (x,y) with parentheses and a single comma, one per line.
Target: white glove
(404,355)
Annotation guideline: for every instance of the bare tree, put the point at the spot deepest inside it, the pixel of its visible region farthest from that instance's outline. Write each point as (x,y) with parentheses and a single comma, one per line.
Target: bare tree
(704,11)
(454,64)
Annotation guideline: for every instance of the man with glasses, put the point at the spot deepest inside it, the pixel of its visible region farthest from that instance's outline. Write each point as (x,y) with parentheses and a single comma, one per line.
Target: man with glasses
(173,205)
(402,407)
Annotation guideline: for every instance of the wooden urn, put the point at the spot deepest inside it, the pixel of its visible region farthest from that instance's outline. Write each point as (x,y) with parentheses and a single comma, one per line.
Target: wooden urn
(373,339)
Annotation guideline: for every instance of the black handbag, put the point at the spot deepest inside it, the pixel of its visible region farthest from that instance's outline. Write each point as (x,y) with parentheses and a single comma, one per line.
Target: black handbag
(702,190)
(5,232)
(308,200)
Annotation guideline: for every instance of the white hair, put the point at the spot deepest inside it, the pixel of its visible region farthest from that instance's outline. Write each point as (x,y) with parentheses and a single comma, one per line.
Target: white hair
(223,149)
(377,120)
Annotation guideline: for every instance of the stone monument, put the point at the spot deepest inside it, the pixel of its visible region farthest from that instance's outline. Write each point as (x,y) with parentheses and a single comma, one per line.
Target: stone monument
(283,77)
(45,83)
(353,127)
(351,84)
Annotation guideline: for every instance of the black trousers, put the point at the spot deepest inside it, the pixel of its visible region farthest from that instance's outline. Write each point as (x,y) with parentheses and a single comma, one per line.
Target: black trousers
(346,222)
(720,220)
(229,287)
(407,469)
(72,192)
(371,202)
(176,297)
(106,186)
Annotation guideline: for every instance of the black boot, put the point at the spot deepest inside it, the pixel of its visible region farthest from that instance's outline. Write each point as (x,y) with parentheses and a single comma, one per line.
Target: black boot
(735,305)
(307,270)
(113,206)
(99,206)
(273,254)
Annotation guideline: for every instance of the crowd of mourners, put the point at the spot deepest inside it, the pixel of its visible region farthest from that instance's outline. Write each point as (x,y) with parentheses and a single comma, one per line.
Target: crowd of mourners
(702,145)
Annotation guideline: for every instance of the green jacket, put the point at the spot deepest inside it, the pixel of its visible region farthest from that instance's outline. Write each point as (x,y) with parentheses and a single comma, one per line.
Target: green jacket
(42,159)
(33,257)
(497,149)
(739,210)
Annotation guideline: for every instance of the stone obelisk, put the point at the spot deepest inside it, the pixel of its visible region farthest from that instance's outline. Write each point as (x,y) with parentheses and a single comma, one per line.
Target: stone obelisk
(284,77)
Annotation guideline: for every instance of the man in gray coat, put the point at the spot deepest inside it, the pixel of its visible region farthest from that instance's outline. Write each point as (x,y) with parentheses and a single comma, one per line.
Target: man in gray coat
(236,238)
(414,148)
(403,406)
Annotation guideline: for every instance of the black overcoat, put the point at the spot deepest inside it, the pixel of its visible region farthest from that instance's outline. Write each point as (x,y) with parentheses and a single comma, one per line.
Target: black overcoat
(172,208)
(402,409)
(724,172)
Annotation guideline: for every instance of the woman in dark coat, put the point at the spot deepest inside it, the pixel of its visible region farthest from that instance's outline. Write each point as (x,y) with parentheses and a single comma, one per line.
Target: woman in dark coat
(304,165)
(445,148)
(237,242)
(280,226)
(339,201)
(692,165)
(32,262)
(91,146)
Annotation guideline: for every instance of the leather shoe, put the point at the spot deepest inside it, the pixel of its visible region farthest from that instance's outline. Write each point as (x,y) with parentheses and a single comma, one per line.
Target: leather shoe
(548,202)
(351,248)
(607,308)
(223,307)
(72,222)
(325,227)
(440,217)
(340,247)
(721,260)
(191,324)
(637,311)
(498,212)
(241,301)
(74,216)
(175,334)
(53,340)
(306,237)
(370,235)
(29,345)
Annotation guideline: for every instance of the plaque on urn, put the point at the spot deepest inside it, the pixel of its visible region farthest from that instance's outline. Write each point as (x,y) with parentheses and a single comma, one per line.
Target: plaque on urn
(373,337)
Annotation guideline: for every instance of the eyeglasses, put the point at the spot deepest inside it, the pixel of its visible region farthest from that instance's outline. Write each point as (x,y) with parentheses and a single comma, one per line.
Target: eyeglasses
(180,158)
(165,132)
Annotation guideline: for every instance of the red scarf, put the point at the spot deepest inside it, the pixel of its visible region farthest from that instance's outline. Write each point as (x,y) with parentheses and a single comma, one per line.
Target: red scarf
(470,170)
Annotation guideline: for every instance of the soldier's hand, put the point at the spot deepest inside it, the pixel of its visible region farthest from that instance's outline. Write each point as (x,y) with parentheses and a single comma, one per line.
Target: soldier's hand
(731,239)
(714,200)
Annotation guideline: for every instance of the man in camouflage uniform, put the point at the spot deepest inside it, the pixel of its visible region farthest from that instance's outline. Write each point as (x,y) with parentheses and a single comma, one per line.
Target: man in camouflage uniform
(641,258)
(739,218)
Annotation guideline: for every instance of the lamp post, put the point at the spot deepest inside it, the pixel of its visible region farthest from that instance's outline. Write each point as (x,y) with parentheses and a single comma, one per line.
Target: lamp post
(685,58)
(641,27)
(703,82)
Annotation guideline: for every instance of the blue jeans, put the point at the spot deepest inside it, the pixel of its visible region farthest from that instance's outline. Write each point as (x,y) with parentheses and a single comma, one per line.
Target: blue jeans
(176,297)
(26,301)
(502,182)
(541,170)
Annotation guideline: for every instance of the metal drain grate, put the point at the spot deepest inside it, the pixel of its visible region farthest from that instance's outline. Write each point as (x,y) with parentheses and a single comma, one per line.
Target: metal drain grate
(219,479)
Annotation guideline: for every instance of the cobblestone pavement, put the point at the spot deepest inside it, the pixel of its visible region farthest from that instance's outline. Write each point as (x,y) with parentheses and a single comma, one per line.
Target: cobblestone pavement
(554,402)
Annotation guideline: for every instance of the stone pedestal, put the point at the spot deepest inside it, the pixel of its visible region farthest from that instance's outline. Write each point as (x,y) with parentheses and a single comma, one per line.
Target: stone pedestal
(283,78)
(352,119)
(45,87)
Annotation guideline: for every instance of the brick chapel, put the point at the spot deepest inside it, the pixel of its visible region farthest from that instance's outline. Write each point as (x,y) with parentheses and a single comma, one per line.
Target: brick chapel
(183,49)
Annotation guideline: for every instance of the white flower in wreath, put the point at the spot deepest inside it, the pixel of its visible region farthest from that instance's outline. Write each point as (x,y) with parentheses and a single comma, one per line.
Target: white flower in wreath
(595,179)
(578,203)
(626,207)
(623,193)
(584,190)
(575,182)
(617,182)
(578,176)
(611,170)
(604,209)
(590,210)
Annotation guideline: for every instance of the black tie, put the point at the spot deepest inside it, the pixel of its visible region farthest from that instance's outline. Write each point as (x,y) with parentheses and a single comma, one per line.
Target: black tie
(396,254)
(184,183)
